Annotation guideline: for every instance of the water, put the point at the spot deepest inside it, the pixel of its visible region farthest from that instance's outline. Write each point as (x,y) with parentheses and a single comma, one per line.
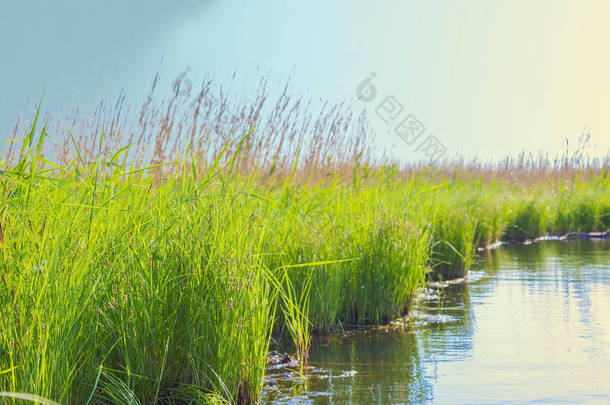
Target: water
(532,326)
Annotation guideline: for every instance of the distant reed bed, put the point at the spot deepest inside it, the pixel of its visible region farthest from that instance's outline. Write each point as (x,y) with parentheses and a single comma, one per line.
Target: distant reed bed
(154,262)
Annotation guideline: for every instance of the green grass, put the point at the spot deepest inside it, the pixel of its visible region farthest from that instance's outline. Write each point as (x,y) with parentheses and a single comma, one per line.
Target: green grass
(126,284)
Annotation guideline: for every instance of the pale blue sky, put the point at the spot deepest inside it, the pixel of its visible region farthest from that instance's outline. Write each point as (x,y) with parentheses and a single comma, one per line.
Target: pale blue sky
(488,78)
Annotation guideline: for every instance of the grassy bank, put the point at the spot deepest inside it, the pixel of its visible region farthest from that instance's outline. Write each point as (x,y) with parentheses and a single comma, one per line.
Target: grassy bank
(131,283)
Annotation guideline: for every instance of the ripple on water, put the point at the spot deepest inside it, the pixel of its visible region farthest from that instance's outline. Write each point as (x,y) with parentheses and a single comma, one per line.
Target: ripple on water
(534,327)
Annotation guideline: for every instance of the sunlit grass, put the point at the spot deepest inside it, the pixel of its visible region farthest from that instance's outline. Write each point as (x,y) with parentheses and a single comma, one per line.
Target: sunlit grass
(151,284)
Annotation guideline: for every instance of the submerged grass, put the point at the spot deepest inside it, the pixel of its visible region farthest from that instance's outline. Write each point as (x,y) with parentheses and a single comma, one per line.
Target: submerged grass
(124,283)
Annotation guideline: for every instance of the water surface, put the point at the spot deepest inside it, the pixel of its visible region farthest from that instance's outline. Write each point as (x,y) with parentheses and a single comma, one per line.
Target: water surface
(532,326)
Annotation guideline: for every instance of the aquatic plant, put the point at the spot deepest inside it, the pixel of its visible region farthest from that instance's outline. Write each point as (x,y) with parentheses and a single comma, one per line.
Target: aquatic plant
(129,278)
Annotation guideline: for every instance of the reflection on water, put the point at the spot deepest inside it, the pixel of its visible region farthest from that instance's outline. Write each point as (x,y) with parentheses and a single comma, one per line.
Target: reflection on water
(365,368)
(533,327)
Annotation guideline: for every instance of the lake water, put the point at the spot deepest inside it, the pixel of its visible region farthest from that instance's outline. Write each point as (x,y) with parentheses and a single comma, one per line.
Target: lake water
(532,325)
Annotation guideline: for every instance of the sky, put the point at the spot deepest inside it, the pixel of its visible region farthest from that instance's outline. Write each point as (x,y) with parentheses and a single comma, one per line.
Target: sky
(486,78)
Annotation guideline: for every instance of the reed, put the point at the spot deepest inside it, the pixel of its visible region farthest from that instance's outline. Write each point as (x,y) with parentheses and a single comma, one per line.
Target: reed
(160,277)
